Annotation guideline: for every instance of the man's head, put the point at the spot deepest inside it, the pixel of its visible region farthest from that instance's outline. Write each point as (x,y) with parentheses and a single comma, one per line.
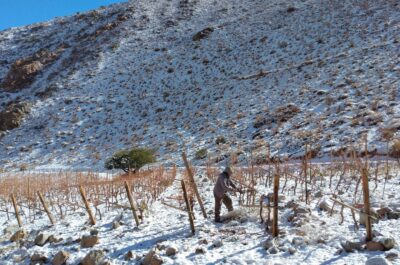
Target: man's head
(228,171)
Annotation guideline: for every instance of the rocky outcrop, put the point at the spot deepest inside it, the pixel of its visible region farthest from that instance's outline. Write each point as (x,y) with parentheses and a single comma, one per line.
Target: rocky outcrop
(24,71)
(13,115)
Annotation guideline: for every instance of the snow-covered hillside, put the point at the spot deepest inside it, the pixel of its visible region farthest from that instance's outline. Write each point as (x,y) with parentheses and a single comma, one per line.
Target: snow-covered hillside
(285,73)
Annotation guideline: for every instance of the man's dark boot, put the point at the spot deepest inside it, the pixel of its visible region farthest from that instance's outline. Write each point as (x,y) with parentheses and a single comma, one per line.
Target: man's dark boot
(217,220)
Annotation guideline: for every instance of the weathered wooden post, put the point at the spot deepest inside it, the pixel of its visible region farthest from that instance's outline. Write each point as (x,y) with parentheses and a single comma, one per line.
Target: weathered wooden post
(46,209)
(305,172)
(193,184)
(14,202)
(189,210)
(83,194)
(367,207)
(275,230)
(133,207)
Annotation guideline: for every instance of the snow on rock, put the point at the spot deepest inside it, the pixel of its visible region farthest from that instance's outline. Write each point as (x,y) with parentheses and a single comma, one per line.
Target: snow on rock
(377,261)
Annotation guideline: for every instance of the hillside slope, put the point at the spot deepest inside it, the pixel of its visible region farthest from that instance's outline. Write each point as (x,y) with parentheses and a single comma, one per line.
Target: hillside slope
(285,73)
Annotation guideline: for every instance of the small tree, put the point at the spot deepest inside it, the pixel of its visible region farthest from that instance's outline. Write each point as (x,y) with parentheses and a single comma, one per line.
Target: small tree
(130,160)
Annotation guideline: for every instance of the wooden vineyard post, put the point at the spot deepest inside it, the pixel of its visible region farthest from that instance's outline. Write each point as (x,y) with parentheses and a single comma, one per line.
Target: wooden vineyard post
(305,172)
(367,206)
(194,186)
(14,202)
(46,209)
(275,211)
(189,210)
(92,220)
(133,208)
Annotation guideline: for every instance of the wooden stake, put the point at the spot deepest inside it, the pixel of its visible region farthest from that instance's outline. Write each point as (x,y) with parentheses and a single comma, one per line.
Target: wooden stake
(189,210)
(354,220)
(14,201)
(193,183)
(348,206)
(367,206)
(305,172)
(92,220)
(133,207)
(173,206)
(275,230)
(46,209)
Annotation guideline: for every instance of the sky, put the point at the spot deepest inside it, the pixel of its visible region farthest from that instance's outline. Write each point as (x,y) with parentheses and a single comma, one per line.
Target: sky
(15,13)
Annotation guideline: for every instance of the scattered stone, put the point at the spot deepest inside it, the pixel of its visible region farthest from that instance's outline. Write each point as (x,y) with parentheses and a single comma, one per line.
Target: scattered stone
(384,211)
(11,229)
(89,241)
(292,204)
(374,246)
(116,224)
(392,255)
(53,239)
(290,9)
(393,215)
(292,250)
(203,241)
(94,257)
(269,243)
(301,210)
(200,250)
(349,246)
(318,194)
(130,255)
(41,239)
(38,258)
(19,235)
(377,261)
(388,243)
(297,241)
(94,232)
(217,243)
(171,251)
(324,205)
(60,258)
(152,258)
(202,34)
(160,246)
(273,250)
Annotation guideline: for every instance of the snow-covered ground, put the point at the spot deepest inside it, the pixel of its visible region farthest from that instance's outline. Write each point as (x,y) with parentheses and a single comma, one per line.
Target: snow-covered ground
(285,73)
(314,237)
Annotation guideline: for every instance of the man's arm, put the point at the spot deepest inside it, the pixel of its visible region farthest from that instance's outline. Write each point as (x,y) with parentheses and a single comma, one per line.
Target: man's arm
(232,184)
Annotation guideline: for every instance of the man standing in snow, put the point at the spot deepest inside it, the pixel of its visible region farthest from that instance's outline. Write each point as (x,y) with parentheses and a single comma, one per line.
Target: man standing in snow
(222,186)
